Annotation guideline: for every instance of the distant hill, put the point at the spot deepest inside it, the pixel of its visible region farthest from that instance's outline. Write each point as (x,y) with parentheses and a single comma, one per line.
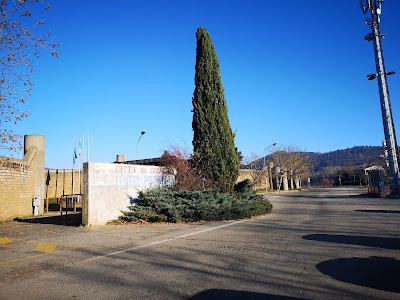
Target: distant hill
(355,156)
(362,156)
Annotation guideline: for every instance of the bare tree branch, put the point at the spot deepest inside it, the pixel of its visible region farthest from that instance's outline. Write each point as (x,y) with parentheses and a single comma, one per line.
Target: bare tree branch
(22,38)
(293,163)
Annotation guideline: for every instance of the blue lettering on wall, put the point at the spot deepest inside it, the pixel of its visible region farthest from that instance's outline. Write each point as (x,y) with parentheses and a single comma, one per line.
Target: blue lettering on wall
(125,181)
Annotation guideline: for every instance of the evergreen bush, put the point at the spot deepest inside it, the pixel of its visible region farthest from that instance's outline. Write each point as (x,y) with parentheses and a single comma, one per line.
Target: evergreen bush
(159,205)
(244,186)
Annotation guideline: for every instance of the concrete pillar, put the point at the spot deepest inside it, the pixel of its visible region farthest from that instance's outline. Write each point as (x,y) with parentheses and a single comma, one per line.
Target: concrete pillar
(121,158)
(298,182)
(270,167)
(277,171)
(38,142)
(285,182)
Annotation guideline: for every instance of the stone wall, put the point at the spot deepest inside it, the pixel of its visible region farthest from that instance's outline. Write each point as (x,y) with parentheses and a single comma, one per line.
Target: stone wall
(262,184)
(22,179)
(17,185)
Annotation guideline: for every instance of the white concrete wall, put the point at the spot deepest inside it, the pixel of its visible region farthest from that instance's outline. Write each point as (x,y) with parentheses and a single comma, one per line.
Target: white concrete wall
(109,189)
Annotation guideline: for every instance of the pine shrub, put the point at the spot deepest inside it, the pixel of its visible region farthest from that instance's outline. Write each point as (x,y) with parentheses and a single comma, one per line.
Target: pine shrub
(159,205)
(244,186)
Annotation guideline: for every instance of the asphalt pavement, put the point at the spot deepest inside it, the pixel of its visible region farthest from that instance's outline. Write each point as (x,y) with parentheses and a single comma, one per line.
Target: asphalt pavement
(316,244)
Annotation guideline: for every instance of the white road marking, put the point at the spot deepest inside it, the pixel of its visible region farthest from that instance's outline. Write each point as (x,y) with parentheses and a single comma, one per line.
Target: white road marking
(162,241)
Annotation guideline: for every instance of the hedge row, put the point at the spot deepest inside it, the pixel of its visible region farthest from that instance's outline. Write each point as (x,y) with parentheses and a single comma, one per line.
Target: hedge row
(160,205)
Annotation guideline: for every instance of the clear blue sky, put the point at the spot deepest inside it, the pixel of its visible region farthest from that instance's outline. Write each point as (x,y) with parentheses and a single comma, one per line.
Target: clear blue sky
(294,73)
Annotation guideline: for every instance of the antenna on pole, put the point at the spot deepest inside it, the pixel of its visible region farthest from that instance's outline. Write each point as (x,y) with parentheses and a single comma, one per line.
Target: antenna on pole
(364,4)
(374,9)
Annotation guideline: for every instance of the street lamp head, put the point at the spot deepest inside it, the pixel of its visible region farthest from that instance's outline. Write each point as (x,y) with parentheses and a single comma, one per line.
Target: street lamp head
(391,73)
(270,146)
(141,134)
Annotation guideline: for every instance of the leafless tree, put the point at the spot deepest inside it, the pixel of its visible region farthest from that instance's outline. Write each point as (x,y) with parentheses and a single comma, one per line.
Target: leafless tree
(293,162)
(22,38)
(333,172)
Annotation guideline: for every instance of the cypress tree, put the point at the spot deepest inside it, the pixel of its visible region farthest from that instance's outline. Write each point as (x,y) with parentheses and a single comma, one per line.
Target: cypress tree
(214,149)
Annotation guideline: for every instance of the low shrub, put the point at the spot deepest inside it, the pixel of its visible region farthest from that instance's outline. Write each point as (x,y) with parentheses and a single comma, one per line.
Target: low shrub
(160,205)
(244,186)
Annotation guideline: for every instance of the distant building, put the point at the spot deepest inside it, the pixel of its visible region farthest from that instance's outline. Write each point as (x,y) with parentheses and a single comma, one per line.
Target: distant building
(376,180)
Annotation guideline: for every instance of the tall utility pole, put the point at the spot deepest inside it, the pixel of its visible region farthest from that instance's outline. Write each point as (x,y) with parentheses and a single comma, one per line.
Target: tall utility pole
(374,8)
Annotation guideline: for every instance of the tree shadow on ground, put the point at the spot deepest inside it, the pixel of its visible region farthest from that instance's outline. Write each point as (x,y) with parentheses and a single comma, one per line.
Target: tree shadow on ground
(72,219)
(381,273)
(379,211)
(236,295)
(378,242)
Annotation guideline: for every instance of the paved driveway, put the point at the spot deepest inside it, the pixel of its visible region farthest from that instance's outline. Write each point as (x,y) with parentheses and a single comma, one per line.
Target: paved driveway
(317,244)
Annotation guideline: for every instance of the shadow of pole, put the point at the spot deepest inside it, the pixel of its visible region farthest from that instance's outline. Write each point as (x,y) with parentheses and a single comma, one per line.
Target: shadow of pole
(377,242)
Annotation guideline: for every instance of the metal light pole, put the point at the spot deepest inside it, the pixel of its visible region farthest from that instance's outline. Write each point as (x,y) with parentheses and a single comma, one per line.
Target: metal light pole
(374,7)
(266,180)
(141,134)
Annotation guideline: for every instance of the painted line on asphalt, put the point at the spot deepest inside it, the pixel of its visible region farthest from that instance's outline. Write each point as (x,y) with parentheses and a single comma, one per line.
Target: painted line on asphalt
(22,259)
(5,240)
(46,247)
(29,257)
(163,241)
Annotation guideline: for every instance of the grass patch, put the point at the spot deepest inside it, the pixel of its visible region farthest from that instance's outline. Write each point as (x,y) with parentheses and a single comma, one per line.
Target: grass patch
(52,201)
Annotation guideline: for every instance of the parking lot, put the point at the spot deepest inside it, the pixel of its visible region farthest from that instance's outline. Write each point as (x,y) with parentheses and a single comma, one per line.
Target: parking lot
(316,244)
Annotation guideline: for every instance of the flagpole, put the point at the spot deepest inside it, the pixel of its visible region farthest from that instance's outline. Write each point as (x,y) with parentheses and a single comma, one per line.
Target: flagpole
(88,140)
(80,161)
(83,148)
(92,146)
(73,169)
(79,168)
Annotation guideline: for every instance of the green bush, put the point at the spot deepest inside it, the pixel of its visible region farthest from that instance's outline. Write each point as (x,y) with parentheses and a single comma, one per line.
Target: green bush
(244,186)
(159,205)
